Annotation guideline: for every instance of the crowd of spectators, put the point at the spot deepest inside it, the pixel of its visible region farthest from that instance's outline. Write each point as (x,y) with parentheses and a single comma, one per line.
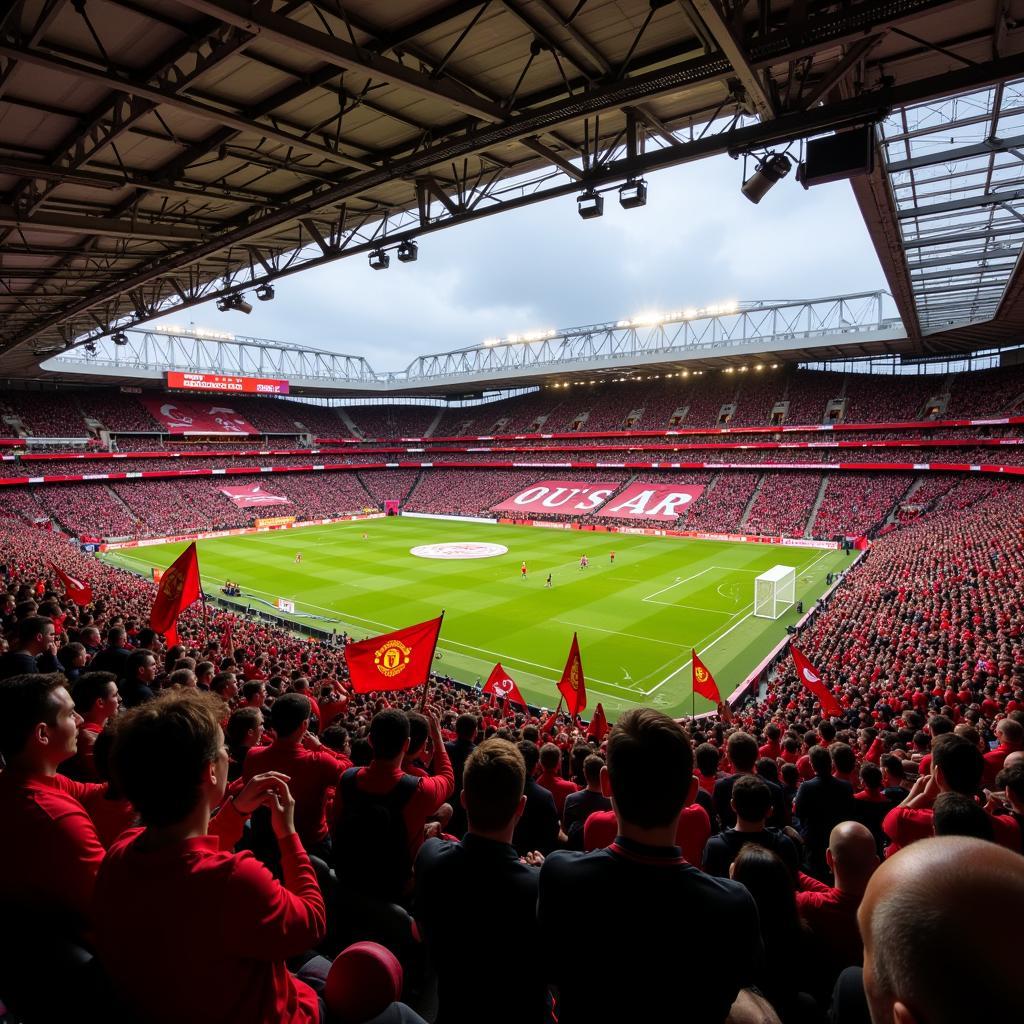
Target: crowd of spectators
(117,411)
(783,504)
(182,872)
(856,503)
(808,393)
(45,413)
(869,398)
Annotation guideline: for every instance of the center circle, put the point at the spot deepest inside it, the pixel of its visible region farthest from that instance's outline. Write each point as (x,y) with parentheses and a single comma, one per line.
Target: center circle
(458,550)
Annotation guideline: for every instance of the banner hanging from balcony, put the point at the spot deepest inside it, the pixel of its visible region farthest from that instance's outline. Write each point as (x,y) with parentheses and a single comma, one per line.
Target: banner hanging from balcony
(559,497)
(195,416)
(249,495)
(664,503)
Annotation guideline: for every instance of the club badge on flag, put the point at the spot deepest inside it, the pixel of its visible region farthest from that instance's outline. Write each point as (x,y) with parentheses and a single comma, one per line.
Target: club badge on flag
(75,589)
(572,685)
(393,661)
(811,678)
(502,685)
(179,588)
(703,681)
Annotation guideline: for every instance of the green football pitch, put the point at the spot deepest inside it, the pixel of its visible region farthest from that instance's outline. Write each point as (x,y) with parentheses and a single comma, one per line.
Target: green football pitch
(637,619)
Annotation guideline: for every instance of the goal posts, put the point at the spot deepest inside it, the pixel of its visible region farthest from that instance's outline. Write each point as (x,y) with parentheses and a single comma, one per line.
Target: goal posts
(775,591)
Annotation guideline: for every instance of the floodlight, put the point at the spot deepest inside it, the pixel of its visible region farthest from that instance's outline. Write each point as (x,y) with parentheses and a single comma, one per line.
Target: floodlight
(265,291)
(379,260)
(589,205)
(234,301)
(119,338)
(633,194)
(772,169)
(408,252)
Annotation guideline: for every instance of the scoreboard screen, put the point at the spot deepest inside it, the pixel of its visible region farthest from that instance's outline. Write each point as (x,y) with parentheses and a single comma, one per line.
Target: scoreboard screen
(219,382)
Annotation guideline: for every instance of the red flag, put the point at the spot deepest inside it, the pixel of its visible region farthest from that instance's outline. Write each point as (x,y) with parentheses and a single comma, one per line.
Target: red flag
(703,681)
(227,643)
(501,684)
(79,592)
(598,724)
(572,685)
(393,661)
(811,678)
(548,726)
(179,588)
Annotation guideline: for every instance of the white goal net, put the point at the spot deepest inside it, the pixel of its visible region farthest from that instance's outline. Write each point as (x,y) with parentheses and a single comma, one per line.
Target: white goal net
(774,591)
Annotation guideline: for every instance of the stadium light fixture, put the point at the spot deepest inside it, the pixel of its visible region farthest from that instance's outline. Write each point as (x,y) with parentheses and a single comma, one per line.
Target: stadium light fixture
(265,291)
(379,260)
(589,205)
(119,338)
(234,301)
(408,252)
(633,194)
(771,170)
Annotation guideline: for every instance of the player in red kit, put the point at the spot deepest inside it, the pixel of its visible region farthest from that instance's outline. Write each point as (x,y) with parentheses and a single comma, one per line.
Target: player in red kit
(612,557)
(298,557)
(522,570)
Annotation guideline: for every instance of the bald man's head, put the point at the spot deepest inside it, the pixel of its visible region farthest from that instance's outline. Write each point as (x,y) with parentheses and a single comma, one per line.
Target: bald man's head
(1017,757)
(852,855)
(939,924)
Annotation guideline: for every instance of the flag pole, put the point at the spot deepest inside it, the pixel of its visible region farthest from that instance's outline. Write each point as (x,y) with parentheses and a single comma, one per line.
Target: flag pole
(693,692)
(426,682)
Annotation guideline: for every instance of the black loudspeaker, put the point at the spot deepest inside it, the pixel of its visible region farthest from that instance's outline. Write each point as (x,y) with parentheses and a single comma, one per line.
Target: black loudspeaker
(843,155)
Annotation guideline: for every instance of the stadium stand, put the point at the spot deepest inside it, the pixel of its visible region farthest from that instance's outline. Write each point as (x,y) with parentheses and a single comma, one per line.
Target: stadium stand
(965,671)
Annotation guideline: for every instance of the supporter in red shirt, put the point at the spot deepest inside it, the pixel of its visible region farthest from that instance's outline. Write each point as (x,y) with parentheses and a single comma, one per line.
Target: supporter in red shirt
(957,767)
(186,929)
(1010,734)
(97,698)
(311,768)
(549,778)
(243,732)
(707,757)
(772,748)
(51,852)
(830,911)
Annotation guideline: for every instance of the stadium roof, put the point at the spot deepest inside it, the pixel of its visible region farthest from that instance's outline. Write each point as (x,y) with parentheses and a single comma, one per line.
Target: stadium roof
(754,335)
(155,154)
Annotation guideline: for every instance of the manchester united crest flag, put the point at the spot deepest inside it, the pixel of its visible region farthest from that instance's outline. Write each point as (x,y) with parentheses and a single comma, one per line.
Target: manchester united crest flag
(572,686)
(393,661)
(179,588)
(501,684)
(703,681)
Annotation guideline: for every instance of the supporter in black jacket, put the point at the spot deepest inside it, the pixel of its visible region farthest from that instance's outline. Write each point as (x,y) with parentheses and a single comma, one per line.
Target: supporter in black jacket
(538,827)
(451,879)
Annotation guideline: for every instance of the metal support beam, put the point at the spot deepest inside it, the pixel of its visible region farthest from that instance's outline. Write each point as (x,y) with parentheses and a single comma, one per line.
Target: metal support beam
(535,145)
(946,156)
(967,203)
(713,17)
(99,226)
(259,20)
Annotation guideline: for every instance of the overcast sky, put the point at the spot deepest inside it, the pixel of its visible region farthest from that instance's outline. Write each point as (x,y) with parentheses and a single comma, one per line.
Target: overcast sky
(698,241)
